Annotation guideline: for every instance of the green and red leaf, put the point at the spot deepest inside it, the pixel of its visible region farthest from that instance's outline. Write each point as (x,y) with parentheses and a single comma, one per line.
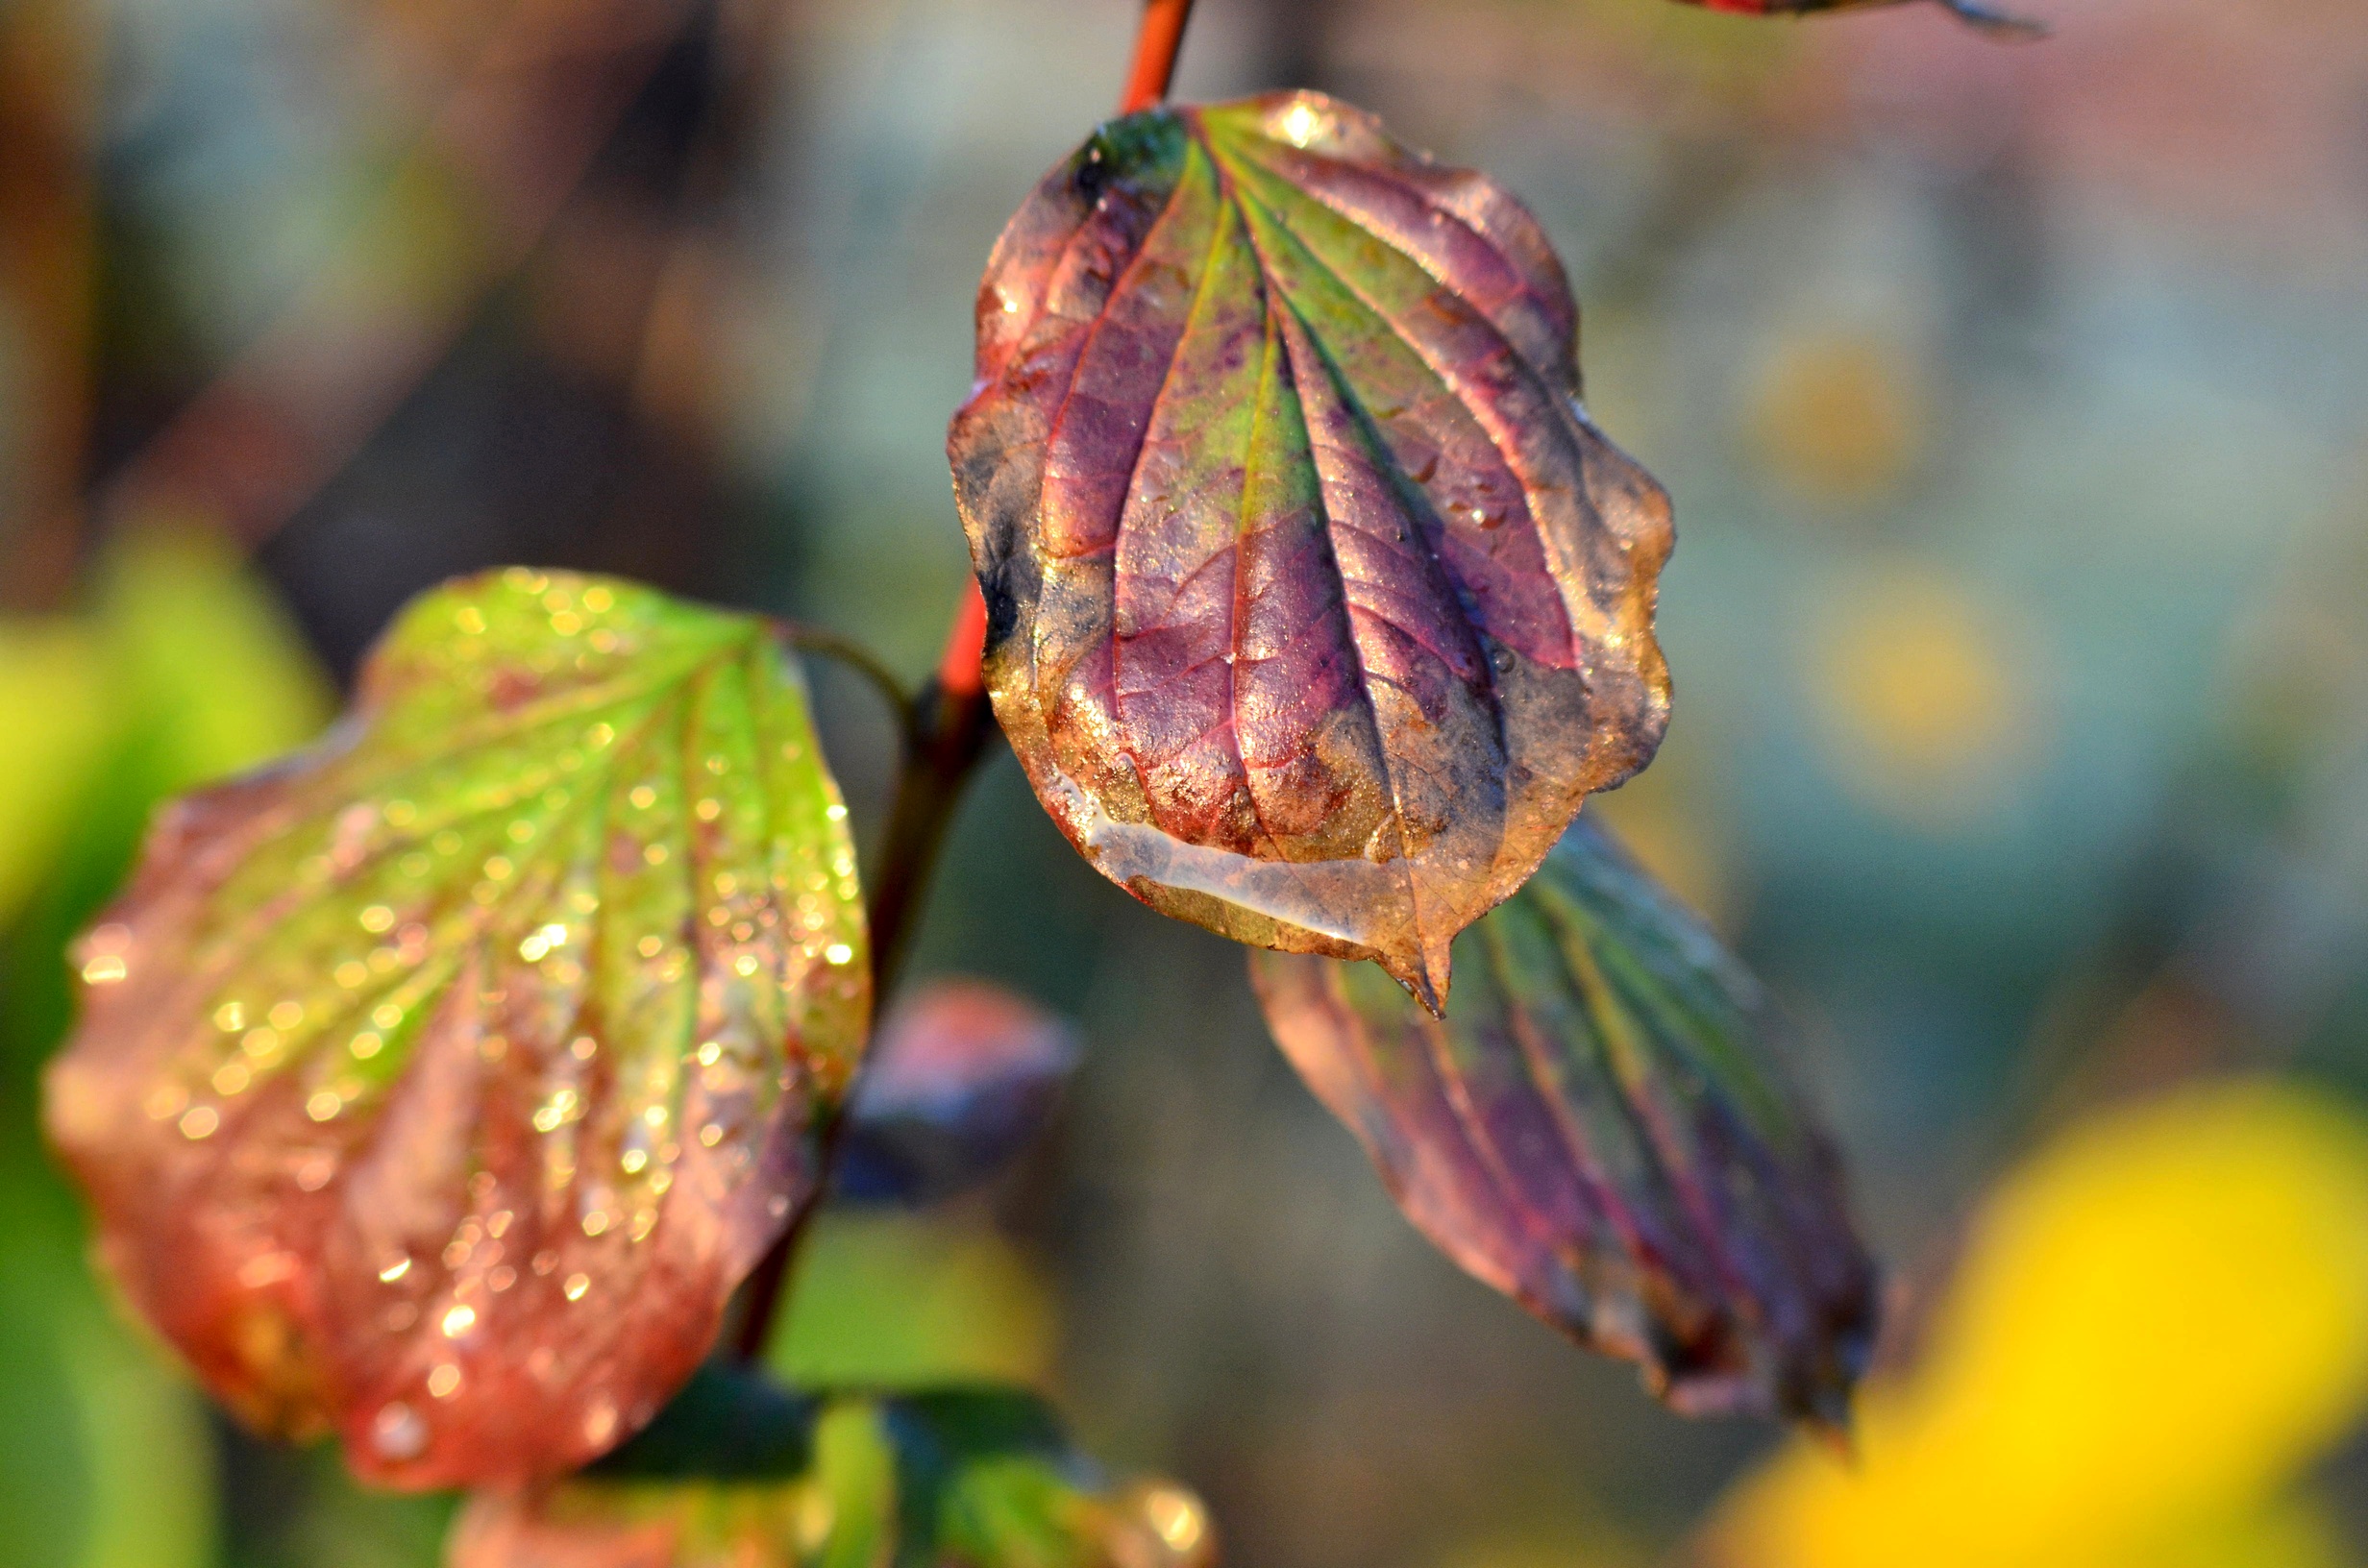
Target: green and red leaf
(438,1086)
(1316,602)
(1599,1128)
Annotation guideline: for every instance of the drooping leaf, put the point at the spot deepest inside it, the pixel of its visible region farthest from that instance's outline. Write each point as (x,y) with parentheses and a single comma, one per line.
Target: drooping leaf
(1316,602)
(439,1085)
(1978,12)
(968,1478)
(960,1079)
(1597,1128)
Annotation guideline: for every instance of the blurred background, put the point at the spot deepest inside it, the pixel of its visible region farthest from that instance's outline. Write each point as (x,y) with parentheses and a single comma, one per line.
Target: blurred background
(2015,402)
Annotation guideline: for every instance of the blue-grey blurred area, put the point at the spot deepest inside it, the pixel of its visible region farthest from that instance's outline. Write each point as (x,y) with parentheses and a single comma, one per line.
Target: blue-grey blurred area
(2014,404)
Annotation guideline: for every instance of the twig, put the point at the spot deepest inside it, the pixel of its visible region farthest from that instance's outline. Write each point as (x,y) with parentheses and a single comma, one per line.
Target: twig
(949,735)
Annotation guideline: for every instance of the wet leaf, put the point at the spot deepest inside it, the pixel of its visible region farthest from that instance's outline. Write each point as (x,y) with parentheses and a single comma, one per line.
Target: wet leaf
(1598,1130)
(961,1078)
(439,1085)
(1316,602)
(1978,12)
(971,1478)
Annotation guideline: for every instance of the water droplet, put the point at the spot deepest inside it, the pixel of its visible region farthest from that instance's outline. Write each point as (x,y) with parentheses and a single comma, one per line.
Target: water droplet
(595,1222)
(445,1381)
(397,1433)
(460,1321)
(104,969)
(200,1122)
(708,809)
(378,918)
(838,952)
(577,1285)
(323,1106)
(230,1077)
(230,1018)
(396,1270)
(634,1159)
(366,1045)
(287,1015)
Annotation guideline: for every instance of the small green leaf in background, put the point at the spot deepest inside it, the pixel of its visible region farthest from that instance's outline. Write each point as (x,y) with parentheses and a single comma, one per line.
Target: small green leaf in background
(1600,1128)
(440,1085)
(950,1478)
(889,1300)
(215,669)
(60,711)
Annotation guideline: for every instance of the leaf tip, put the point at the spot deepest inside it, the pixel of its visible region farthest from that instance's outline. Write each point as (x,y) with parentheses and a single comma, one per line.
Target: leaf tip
(2003,26)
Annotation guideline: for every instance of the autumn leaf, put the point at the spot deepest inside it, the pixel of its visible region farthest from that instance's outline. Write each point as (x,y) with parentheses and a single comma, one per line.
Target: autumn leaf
(1316,602)
(1978,12)
(980,1478)
(439,1084)
(1598,1128)
(961,1079)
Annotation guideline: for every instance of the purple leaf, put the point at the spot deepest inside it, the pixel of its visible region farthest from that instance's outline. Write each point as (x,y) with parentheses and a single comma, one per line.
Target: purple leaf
(1316,602)
(1597,1128)
(961,1078)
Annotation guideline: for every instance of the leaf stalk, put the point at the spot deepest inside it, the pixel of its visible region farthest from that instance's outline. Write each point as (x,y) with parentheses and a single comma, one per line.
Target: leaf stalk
(945,734)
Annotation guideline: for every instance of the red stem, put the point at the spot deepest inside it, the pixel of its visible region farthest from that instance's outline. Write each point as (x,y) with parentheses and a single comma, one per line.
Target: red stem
(1155,51)
(946,732)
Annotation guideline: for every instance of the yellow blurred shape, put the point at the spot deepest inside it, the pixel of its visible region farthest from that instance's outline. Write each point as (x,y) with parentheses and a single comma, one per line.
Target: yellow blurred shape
(902,1301)
(1840,415)
(58,712)
(223,679)
(1911,681)
(2156,1323)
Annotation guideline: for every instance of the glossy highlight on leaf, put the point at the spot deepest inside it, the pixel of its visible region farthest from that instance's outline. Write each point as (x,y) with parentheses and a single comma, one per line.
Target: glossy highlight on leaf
(1316,602)
(964,1477)
(439,1085)
(1977,13)
(961,1078)
(1598,1128)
